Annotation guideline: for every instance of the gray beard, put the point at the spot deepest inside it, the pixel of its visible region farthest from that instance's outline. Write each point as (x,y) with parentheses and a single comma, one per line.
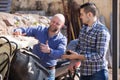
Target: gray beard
(55,30)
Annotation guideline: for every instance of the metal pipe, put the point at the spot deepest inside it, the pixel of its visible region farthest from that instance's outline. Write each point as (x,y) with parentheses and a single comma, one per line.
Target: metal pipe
(115,39)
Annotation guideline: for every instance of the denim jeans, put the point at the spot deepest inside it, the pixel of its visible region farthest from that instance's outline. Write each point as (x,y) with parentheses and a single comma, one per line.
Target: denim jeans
(100,75)
(52,74)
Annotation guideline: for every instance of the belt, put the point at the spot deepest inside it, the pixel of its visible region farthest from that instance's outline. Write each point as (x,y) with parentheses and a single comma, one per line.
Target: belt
(50,68)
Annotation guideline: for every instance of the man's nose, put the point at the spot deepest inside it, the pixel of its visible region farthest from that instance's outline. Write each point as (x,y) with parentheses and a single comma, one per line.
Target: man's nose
(80,17)
(54,23)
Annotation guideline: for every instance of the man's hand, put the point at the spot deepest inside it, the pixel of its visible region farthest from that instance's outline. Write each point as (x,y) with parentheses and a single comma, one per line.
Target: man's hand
(73,65)
(73,55)
(18,32)
(45,47)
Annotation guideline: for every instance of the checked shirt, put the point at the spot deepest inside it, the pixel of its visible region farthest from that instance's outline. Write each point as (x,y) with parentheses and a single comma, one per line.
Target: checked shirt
(93,43)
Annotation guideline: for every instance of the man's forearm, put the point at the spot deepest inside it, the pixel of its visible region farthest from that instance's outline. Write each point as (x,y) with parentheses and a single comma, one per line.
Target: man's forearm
(81,57)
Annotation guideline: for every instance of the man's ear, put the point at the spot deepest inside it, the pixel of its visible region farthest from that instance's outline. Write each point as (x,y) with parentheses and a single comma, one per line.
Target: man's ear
(63,26)
(90,14)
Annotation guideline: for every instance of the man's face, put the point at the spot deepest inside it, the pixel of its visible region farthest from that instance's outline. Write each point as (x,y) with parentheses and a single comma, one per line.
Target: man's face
(55,24)
(84,17)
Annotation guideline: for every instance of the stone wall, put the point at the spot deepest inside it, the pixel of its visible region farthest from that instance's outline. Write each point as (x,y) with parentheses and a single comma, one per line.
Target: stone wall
(54,6)
(50,6)
(10,21)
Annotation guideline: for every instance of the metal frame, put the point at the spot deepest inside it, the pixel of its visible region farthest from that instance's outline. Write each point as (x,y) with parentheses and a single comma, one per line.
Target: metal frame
(115,40)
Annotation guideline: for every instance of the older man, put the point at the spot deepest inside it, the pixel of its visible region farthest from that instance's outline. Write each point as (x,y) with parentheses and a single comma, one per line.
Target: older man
(52,43)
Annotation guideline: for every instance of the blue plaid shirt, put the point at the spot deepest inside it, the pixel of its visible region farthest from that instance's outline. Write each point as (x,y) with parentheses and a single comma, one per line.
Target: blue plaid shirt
(93,44)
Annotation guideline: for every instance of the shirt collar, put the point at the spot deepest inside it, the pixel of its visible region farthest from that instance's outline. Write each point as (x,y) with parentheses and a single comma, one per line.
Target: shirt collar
(94,24)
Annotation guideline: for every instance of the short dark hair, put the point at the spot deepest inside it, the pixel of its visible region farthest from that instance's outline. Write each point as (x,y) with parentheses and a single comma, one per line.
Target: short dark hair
(90,7)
